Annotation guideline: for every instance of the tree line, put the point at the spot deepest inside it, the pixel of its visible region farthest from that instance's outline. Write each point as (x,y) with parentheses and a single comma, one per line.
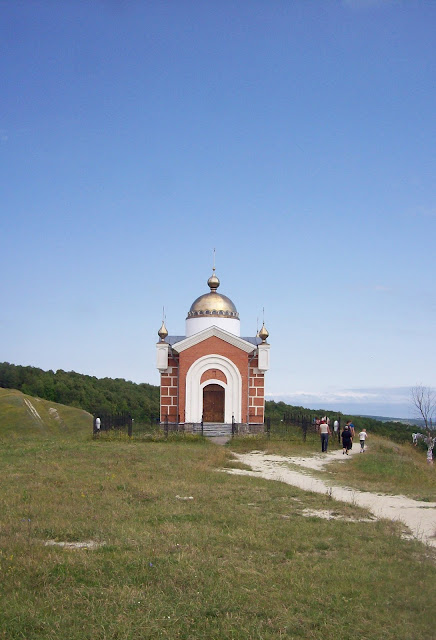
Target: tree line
(96,395)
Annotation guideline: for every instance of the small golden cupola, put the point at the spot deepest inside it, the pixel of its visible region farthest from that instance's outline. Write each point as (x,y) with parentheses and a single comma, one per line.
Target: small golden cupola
(213,281)
(162,333)
(263,333)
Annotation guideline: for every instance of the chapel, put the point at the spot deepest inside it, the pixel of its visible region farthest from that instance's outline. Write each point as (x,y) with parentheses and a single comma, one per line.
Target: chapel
(212,375)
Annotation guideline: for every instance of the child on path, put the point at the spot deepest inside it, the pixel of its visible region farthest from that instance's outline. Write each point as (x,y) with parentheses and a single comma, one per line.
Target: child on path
(362,437)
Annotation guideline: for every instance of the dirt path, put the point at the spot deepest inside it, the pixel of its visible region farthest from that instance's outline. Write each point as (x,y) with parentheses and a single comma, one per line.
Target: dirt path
(419,517)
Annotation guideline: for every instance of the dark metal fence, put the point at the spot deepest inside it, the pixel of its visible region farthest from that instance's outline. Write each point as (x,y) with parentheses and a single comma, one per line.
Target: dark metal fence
(295,422)
(107,422)
(293,425)
(146,428)
(123,422)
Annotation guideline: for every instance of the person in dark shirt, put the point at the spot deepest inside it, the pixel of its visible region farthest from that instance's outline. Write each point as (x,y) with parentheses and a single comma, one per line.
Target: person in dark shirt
(347,440)
(351,428)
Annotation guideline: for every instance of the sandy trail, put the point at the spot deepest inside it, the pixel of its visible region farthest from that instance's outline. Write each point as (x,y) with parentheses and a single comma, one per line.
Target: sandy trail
(419,517)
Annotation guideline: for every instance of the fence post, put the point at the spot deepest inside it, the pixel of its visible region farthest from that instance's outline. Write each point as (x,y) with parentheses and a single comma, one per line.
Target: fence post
(268,427)
(339,430)
(233,425)
(166,426)
(201,424)
(130,426)
(304,427)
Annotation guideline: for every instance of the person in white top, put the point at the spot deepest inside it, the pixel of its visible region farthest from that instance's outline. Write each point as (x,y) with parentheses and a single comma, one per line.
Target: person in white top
(362,437)
(97,425)
(324,431)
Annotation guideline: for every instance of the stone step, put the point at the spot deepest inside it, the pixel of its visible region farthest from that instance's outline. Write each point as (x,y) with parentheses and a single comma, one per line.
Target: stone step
(210,429)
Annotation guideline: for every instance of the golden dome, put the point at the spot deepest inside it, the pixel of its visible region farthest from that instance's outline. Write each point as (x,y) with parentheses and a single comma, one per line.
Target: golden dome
(263,333)
(213,303)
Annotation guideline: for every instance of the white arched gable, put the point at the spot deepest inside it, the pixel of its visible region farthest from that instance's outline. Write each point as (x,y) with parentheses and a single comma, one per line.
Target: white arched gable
(194,389)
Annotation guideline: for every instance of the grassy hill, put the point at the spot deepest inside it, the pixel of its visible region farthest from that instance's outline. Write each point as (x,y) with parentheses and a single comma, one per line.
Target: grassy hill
(21,415)
(96,395)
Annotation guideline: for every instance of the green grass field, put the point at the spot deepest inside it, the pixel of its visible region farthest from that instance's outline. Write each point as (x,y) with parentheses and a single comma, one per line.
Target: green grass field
(391,468)
(238,560)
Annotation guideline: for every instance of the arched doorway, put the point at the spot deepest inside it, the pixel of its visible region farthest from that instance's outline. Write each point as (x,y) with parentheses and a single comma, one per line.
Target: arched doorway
(213,403)
(194,388)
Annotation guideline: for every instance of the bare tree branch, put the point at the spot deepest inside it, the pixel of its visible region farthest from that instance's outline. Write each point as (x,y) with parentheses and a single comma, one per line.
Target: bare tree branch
(424,401)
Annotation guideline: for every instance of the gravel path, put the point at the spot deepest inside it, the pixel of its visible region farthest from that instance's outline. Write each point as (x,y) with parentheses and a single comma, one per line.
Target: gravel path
(419,517)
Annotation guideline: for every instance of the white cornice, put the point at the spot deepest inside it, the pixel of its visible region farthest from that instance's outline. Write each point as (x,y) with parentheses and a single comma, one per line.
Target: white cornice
(218,333)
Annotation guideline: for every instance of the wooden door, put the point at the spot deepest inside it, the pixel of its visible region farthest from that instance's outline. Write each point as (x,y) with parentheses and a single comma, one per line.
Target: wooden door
(213,403)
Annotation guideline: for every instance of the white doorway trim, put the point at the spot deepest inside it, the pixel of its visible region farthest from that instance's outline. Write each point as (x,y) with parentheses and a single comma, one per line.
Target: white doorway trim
(194,389)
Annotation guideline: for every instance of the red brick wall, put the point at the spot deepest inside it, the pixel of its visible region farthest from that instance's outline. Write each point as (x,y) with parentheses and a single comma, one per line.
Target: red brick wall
(168,392)
(256,393)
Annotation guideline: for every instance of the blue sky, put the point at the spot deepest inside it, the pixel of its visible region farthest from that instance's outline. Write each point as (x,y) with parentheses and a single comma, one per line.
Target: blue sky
(298,138)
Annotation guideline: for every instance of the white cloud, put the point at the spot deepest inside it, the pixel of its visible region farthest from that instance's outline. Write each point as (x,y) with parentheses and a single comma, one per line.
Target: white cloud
(385,394)
(386,401)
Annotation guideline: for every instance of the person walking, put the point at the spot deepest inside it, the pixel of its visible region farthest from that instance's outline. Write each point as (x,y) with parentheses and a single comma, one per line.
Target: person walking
(97,425)
(362,437)
(347,440)
(324,430)
(337,430)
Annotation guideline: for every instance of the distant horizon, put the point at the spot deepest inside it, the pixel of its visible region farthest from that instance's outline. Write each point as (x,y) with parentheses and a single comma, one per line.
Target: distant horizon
(387,403)
(364,412)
